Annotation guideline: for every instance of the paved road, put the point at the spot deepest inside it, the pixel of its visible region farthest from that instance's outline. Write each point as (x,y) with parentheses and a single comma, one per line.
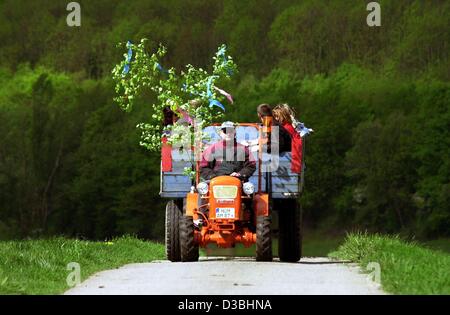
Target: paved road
(231,276)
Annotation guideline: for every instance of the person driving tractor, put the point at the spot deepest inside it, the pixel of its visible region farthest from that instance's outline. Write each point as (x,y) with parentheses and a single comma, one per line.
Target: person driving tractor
(226,205)
(227,157)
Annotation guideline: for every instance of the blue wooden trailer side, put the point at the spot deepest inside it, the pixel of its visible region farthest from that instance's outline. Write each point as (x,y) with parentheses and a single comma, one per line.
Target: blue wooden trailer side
(284,183)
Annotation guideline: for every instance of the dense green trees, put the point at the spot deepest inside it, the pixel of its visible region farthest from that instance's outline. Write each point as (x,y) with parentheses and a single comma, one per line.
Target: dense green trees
(378,99)
(70,162)
(379,156)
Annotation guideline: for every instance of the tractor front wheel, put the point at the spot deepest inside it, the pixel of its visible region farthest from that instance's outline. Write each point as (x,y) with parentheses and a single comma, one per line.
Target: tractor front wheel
(263,238)
(189,249)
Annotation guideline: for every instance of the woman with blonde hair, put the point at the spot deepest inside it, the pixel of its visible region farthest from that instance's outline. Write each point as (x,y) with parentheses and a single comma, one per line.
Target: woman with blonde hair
(286,117)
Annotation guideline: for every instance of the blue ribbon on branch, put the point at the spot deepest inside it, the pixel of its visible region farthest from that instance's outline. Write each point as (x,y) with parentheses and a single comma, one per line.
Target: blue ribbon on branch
(212,101)
(216,103)
(161,69)
(209,94)
(302,129)
(126,69)
(225,60)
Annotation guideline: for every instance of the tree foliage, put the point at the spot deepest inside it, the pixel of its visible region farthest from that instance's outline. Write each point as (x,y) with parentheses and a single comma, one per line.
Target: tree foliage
(378,99)
(191,91)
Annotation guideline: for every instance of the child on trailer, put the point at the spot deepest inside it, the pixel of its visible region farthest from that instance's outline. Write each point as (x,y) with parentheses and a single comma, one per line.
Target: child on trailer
(297,130)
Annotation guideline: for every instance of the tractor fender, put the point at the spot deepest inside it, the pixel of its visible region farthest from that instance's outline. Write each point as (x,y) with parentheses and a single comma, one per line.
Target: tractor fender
(261,204)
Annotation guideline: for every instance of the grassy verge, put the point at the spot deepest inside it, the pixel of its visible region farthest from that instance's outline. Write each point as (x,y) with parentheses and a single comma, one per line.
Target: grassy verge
(40,266)
(406,268)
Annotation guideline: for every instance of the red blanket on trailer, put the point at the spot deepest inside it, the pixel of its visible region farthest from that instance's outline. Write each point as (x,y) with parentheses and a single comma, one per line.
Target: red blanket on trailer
(166,156)
(296,148)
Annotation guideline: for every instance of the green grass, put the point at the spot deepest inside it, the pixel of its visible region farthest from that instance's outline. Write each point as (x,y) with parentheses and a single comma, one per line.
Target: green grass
(406,268)
(40,266)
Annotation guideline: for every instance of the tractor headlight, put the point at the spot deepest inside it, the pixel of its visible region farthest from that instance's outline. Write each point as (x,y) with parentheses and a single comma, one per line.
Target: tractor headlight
(202,188)
(249,188)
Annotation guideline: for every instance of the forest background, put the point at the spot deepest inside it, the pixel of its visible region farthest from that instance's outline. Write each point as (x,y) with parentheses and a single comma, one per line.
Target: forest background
(378,99)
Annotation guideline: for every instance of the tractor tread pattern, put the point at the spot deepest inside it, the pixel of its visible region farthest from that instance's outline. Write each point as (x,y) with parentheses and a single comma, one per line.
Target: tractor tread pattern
(172,233)
(189,249)
(263,238)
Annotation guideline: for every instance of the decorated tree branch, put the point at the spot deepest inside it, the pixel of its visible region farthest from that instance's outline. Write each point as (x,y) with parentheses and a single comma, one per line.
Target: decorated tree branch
(192,93)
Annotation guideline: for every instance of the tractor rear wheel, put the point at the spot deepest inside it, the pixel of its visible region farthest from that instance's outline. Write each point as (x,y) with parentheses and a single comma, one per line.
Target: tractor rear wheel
(263,238)
(189,249)
(290,231)
(172,232)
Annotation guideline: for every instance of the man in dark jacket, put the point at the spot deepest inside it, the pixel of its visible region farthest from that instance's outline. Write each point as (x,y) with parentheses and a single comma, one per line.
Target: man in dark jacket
(227,157)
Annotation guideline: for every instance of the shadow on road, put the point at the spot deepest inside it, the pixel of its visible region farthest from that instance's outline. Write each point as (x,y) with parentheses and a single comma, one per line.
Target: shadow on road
(304,261)
(331,262)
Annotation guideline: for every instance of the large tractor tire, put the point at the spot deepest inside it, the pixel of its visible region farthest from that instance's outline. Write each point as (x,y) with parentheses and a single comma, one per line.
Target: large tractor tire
(263,238)
(172,231)
(290,231)
(188,247)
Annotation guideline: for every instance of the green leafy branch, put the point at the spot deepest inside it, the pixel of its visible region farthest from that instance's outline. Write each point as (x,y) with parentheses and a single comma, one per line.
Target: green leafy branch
(190,90)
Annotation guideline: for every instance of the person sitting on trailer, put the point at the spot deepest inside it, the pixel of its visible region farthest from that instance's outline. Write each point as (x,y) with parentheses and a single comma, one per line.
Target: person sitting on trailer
(285,115)
(282,114)
(265,114)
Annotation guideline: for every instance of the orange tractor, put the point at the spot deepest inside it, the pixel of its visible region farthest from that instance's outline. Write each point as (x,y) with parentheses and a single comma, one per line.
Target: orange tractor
(232,211)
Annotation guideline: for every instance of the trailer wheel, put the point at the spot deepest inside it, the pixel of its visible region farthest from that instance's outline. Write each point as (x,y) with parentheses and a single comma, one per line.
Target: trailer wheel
(290,232)
(189,249)
(172,232)
(263,238)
